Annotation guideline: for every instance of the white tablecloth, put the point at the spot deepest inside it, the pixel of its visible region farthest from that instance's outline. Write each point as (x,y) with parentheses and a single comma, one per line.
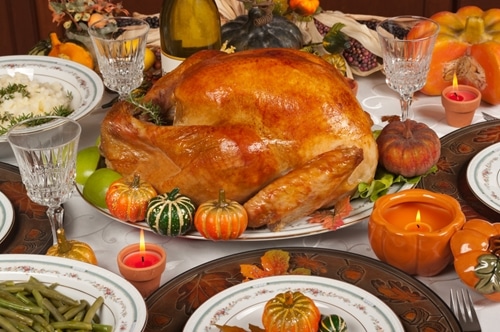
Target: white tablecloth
(107,237)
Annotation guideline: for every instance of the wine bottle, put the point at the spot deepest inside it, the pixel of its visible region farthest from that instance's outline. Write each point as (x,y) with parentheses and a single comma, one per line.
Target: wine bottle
(186,27)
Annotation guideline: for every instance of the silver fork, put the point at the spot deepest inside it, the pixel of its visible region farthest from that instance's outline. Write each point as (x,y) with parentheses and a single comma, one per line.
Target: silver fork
(462,306)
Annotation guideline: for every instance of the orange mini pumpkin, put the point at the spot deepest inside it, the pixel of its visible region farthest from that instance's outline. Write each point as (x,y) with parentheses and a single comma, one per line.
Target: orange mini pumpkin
(221,219)
(291,312)
(476,249)
(468,44)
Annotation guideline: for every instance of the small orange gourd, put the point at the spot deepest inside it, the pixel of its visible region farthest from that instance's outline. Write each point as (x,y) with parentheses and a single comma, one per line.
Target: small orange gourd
(128,199)
(291,312)
(476,249)
(72,249)
(221,219)
(70,50)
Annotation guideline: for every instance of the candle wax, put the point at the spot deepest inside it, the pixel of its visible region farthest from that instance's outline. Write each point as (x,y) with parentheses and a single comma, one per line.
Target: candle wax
(403,216)
(418,227)
(461,95)
(141,259)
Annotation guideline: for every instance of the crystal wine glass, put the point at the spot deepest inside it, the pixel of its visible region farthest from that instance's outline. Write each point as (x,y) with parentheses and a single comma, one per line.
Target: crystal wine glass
(45,149)
(120,44)
(407,43)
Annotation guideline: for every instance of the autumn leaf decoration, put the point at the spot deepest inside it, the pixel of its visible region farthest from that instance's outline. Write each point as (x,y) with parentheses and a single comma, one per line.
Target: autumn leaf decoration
(273,263)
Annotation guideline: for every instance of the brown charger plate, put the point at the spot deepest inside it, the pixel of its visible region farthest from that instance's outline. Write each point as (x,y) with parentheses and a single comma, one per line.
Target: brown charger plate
(418,307)
(31,233)
(457,150)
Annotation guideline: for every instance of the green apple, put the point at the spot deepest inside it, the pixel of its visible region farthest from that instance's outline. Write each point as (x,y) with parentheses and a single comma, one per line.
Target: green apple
(97,185)
(87,161)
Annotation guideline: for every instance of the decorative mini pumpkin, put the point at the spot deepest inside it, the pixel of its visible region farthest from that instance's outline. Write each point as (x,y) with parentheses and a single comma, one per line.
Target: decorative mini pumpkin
(476,249)
(170,214)
(72,249)
(333,323)
(70,50)
(221,219)
(291,312)
(304,7)
(408,148)
(128,200)
(260,29)
(468,44)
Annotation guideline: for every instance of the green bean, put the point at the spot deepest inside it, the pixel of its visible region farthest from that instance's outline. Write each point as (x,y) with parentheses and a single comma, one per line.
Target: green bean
(102,328)
(50,293)
(20,326)
(71,325)
(7,325)
(20,307)
(75,310)
(53,310)
(91,312)
(14,314)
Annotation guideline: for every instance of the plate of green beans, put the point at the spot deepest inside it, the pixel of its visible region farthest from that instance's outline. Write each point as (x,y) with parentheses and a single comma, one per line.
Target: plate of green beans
(46,293)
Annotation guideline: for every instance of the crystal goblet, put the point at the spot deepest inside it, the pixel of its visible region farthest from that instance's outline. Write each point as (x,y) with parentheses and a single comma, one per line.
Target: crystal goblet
(45,149)
(407,43)
(120,44)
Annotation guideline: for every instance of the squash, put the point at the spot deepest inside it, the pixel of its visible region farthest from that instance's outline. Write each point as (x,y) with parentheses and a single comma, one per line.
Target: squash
(72,249)
(468,44)
(70,50)
(260,29)
(42,47)
(333,323)
(170,214)
(408,148)
(304,7)
(221,219)
(128,200)
(291,312)
(476,250)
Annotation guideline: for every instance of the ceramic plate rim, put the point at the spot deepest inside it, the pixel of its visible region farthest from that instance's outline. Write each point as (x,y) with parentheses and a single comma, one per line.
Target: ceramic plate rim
(97,280)
(207,314)
(476,173)
(288,232)
(82,79)
(7,214)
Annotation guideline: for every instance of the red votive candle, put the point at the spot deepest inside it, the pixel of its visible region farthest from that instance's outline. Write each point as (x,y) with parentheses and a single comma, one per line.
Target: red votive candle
(462,95)
(141,259)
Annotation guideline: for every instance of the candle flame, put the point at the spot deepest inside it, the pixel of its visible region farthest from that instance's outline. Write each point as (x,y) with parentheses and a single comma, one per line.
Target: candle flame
(455,82)
(417,218)
(142,244)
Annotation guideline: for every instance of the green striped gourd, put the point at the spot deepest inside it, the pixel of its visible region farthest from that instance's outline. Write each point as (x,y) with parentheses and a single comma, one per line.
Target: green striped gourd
(170,214)
(333,323)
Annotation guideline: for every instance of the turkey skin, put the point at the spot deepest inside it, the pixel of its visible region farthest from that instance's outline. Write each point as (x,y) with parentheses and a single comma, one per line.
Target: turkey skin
(278,129)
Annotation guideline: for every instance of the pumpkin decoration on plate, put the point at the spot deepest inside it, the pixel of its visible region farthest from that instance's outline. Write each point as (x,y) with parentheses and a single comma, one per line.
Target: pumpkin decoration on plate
(128,200)
(260,29)
(72,249)
(408,148)
(70,50)
(170,214)
(291,312)
(468,44)
(476,249)
(221,219)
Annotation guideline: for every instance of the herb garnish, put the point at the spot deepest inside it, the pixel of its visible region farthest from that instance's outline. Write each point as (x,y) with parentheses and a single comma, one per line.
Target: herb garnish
(12,120)
(152,111)
(11,89)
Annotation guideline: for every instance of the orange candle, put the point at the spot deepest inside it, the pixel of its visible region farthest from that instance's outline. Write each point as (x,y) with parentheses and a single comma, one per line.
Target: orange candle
(411,230)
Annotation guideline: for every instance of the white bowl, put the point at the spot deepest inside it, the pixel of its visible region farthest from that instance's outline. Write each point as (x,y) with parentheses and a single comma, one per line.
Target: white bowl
(83,83)
(123,308)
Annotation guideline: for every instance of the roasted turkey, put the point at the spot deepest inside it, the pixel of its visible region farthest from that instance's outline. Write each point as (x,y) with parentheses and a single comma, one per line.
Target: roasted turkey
(278,129)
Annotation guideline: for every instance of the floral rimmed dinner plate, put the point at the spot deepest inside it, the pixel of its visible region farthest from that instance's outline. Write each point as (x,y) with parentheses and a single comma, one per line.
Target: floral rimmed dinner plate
(361,209)
(123,308)
(243,304)
(417,307)
(83,83)
(483,175)
(6,216)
